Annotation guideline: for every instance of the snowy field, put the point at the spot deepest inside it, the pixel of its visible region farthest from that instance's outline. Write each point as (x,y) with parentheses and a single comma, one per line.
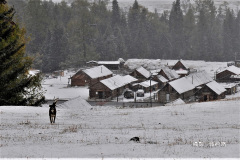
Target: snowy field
(197,130)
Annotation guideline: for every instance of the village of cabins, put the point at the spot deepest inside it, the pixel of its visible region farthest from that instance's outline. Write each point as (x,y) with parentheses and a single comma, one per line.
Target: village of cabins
(168,83)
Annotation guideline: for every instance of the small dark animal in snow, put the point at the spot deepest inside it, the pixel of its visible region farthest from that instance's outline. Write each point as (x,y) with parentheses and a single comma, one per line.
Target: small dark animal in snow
(53,111)
(135,139)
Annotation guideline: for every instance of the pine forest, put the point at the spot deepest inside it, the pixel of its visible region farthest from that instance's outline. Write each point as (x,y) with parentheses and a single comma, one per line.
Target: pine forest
(68,35)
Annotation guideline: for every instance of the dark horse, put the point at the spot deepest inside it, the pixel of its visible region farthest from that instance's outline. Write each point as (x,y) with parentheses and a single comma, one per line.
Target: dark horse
(53,111)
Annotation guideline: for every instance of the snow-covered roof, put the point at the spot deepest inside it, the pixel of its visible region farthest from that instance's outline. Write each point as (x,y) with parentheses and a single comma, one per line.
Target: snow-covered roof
(181,71)
(118,81)
(199,78)
(155,71)
(144,72)
(182,85)
(108,62)
(216,87)
(171,74)
(228,85)
(233,69)
(147,83)
(98,71)
(162,79)
(184,64)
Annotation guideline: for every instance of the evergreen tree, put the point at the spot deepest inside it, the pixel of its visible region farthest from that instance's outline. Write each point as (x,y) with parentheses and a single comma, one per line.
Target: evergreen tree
(176,30)
(228,35)
(17,87)
(189,28)
(116,17)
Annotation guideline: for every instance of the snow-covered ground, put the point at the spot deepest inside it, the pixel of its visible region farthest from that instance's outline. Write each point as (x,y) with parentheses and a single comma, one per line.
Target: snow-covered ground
(58,88)
(198,130)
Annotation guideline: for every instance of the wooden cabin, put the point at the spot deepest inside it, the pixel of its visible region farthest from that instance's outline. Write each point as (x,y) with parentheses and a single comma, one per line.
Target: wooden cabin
(180,88)
(181,68)
(169,74)
(90,76)
(110,87)
(230,74)
(141,74)
(211,91)
(231,88)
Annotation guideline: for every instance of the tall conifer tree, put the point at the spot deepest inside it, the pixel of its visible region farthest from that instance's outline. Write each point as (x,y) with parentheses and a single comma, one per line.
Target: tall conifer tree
(17,87)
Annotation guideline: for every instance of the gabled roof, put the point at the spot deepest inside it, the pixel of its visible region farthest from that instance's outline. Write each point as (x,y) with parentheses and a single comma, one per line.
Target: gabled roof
(161,78)
(216,87)
(97,72)
(182,85)
(233,69)
(118,81)
(199,78)
(144,72)
(183,63)
(147,83)
(171,74)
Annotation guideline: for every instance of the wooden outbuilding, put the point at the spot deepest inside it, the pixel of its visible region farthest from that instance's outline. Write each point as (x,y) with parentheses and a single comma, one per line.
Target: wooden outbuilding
(168,74)
(110,87)
(211,91)
(181,68)
(180,88)
(112,65)
(90,76)
(141,74)
(230,74)
(231,88)
(148,85)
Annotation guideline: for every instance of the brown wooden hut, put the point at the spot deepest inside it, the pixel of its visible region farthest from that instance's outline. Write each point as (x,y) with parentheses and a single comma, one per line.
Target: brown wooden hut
(230,74)
(90,76)
(211,91)
(141,74)
(180,88)
(111,87)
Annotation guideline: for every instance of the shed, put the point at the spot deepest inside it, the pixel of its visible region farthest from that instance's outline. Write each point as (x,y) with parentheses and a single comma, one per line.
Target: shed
(110,87)
(90,76)
(169,74)
(211,91)
(227,75)
(180,88)
(181,68)
(231,88)
(146,86)
(113,65)
(141,74)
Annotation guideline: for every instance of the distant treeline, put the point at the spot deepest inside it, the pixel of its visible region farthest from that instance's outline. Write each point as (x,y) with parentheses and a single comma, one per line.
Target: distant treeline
(62,35)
